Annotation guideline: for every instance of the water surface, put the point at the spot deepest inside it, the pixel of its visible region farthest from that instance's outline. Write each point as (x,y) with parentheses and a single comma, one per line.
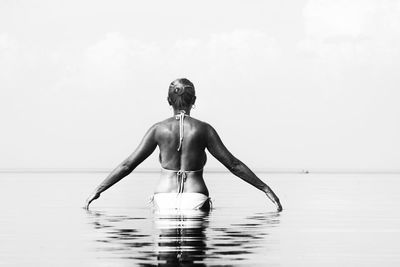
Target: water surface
(328,220)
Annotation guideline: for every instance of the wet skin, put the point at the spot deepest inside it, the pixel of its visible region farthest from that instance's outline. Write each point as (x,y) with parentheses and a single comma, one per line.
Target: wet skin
(198,136)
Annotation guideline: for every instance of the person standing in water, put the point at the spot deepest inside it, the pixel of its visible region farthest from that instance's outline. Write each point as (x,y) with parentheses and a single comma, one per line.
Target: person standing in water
(182,141)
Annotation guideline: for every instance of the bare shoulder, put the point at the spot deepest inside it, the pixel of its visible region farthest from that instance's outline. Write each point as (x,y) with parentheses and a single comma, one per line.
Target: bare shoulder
(212,135)
(161,126)
(208,128)
(202,126)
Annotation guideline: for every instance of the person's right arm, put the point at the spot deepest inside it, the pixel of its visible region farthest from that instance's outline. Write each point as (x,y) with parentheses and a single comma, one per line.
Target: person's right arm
(234,165)
(145,148)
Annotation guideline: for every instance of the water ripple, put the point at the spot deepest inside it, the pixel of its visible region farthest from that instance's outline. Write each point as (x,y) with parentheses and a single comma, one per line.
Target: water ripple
(180,239)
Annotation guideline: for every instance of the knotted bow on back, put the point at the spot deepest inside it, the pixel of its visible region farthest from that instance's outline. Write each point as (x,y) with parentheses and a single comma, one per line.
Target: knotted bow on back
(181,177)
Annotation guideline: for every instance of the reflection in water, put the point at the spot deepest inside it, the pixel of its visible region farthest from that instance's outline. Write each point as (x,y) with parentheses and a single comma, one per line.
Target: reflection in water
(181,239)
(193,239)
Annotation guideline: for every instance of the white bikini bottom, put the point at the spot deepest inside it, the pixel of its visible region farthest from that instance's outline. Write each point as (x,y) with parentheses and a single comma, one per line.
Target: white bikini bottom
(181,201)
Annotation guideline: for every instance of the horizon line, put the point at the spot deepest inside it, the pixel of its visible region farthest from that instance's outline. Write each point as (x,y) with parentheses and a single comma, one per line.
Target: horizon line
(209,170)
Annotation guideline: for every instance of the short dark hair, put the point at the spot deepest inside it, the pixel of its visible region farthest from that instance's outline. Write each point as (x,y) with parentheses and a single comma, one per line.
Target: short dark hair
(181,93)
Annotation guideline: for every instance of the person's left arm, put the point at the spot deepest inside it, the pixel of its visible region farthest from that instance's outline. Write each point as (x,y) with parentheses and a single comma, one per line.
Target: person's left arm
(145,149)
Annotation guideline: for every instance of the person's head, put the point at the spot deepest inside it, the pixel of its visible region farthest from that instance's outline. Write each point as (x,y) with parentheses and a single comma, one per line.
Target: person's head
(181,94)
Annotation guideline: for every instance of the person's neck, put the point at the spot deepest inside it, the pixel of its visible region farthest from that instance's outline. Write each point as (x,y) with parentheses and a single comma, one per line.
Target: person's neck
(177,111)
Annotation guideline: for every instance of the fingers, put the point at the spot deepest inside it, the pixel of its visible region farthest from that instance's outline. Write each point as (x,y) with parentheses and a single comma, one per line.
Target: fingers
(279,207)
(88,201)
(86,206)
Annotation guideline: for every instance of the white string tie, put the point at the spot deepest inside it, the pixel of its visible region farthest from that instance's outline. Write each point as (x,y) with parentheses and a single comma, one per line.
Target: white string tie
(180,117)
(181,177)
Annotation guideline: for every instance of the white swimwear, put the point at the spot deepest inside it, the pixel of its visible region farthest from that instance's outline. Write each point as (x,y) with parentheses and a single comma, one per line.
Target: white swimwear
(181,200)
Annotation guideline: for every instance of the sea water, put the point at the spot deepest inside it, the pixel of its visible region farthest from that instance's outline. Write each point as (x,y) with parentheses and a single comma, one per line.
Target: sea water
(328,220)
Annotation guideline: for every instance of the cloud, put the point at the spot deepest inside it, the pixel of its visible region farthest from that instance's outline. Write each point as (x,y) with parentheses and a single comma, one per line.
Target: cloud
(117,61)
(94,97)
(117,58)
(325,19)
(93,86)
(352,32)
(246,51)
(241,51)
(118,67)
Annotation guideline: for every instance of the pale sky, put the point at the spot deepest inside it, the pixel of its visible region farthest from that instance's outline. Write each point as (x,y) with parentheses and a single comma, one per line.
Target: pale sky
(287,84)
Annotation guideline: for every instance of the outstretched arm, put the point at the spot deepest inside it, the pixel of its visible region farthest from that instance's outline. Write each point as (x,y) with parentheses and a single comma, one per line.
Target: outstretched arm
(238,168)
(145,148)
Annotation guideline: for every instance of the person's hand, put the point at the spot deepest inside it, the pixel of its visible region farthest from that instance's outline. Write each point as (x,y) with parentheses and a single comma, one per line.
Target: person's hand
(278,206)
(91,198)
(274,198)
